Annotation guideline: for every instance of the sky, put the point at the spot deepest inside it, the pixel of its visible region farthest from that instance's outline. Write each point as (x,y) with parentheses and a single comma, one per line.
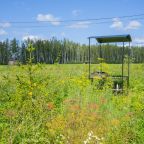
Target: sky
(75,20)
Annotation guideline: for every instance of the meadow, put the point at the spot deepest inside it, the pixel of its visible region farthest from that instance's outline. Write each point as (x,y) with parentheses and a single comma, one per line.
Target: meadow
(58,104)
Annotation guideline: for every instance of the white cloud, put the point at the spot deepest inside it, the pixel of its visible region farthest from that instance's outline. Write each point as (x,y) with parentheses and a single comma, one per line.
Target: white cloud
(2,32)
(32,37)
(80,25)
(117,23)
(48,18)
(133,25)
(2,26)
(5,25)
(75,12)
(139,40)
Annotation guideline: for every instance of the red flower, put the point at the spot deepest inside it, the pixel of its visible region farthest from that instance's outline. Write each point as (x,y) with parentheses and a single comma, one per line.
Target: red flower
(50,106)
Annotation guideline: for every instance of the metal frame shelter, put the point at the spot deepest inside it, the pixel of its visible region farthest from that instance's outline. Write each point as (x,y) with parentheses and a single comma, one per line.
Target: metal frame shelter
(113,39)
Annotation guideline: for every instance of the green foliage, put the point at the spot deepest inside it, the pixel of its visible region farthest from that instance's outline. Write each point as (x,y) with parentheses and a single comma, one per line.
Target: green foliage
(65,51)
(58,104)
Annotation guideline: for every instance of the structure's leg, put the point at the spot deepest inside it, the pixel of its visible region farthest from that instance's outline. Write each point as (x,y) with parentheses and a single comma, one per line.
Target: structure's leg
(89,57)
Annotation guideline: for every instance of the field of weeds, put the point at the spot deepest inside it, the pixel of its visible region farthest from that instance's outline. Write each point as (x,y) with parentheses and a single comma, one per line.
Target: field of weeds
(58,104)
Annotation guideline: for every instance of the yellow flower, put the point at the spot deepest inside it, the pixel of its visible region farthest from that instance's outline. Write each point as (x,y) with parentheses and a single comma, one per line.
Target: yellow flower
(62,81)
(30,93)
(29,82)
(31,88)
(34,84)
(115,122)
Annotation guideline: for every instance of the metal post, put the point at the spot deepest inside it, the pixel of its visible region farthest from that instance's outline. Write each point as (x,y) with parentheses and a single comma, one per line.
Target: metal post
(100,59)
(122,65)
(129,49)
(89,57)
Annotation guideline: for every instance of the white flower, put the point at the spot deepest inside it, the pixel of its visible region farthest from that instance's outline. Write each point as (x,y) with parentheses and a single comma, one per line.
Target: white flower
(86,141)
(97,138)
(89,138)
(90,133)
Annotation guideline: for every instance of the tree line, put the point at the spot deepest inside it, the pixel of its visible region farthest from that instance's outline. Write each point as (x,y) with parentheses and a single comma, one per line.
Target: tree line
(64,52)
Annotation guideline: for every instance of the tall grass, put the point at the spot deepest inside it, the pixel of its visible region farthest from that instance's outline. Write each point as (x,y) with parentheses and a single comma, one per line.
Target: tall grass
(57,104)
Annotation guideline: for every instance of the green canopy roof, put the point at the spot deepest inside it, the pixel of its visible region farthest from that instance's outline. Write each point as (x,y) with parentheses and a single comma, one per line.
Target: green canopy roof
(113,38)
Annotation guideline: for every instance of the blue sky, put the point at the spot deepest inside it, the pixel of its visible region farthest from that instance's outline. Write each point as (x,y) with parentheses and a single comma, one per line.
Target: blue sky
(43,19)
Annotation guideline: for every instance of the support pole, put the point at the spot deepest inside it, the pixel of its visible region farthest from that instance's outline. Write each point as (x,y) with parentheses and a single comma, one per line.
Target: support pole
(89,57)
(122,65)
(129,51)
(100,59)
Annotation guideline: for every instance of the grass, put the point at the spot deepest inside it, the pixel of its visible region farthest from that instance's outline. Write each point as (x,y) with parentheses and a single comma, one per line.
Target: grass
(57,104)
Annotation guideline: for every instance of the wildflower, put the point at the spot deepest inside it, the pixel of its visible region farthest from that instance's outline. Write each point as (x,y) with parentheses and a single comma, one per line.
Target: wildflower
(10,113)
(103,100)
(31,88)
(93,138)
(97,138)
(50,106)
(86,141)
(90,133)
(34,84)
(62,81)
(30,93)
(29,82)
(115,122)
(93,106)
(75,107)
